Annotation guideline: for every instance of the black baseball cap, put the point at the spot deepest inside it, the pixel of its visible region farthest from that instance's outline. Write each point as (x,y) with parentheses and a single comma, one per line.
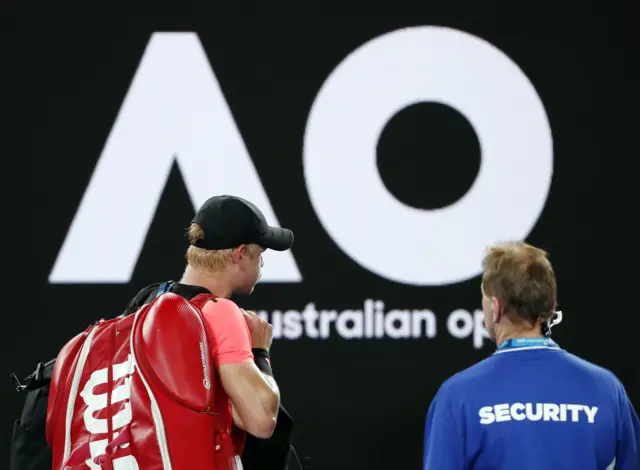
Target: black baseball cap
(229,221)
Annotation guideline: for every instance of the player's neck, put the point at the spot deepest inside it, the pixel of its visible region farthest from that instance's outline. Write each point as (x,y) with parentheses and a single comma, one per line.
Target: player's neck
(215,282)
(513,332)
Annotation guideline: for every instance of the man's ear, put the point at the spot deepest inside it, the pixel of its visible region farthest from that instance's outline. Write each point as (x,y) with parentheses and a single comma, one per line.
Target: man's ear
(497,309)
(238,253)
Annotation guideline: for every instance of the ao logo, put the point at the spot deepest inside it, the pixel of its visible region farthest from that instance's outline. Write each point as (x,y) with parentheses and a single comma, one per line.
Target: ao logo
(175,110)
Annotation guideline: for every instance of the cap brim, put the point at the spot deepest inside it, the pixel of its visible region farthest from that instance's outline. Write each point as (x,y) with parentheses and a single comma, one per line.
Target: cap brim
(276,238)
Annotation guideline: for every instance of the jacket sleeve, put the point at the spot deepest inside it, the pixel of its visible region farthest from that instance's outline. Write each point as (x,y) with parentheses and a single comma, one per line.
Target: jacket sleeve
(628,451)
(443,440)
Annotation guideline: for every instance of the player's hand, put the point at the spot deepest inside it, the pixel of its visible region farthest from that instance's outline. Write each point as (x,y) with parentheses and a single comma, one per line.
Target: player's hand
(261,331)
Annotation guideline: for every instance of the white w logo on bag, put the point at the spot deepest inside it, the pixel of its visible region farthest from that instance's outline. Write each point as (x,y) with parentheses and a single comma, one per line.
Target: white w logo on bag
(97,402)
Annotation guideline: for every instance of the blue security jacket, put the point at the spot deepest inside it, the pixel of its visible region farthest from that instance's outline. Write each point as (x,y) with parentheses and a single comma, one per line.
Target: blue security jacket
(532,408)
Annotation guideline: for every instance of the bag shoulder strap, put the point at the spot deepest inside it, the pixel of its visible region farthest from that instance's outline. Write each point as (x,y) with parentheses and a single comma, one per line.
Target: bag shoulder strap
(164,288)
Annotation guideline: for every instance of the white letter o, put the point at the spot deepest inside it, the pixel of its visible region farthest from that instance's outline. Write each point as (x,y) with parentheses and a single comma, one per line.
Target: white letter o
(402,243)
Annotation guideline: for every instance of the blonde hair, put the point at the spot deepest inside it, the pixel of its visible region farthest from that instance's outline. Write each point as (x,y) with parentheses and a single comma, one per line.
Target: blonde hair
(522,277)
(212,260)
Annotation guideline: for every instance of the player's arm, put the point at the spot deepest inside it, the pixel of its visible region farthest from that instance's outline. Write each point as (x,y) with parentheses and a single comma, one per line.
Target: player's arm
(443,441)
(254,395)
(261,337)
(255,398)
(263,363)
(628,451)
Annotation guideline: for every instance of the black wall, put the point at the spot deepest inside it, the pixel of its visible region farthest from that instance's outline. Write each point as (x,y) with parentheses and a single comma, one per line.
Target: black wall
(359,402)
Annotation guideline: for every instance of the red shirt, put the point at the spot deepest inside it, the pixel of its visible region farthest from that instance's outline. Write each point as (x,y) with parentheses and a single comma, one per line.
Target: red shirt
(230,344)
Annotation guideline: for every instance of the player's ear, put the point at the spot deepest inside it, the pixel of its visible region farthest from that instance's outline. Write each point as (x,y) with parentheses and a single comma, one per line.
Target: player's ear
(239,252)
(496,309)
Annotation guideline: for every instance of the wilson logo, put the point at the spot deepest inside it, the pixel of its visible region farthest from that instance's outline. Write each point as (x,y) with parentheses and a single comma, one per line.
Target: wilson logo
(97,402)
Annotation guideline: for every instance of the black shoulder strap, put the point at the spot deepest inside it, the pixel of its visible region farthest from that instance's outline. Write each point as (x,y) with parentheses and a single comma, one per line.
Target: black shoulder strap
(144,296)
(164,287)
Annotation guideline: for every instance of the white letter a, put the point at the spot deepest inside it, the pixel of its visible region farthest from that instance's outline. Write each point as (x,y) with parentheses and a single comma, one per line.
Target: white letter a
(173,109)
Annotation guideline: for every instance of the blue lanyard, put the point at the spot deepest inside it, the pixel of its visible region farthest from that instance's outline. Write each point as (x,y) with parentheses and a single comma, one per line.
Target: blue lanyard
(516,343)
